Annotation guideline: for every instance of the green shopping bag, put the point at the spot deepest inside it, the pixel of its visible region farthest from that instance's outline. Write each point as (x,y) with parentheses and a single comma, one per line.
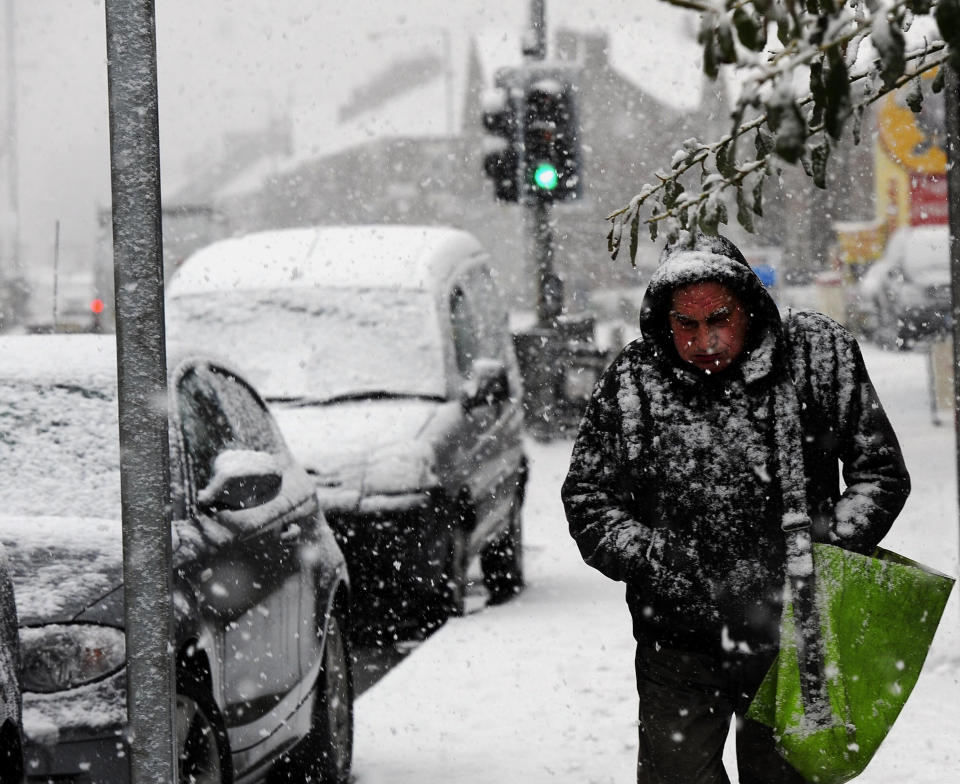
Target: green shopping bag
(877,617)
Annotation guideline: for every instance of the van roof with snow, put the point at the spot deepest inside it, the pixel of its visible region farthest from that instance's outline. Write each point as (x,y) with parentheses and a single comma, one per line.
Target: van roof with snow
(372,256)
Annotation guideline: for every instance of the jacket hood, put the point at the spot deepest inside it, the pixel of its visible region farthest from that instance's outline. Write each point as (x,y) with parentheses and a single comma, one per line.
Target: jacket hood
(712,259)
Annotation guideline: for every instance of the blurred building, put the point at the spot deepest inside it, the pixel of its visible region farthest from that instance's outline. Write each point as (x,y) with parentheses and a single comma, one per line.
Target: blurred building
(405,146)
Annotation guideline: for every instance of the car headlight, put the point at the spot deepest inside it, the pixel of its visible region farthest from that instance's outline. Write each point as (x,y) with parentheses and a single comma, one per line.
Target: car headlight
(57,657)
(402,468)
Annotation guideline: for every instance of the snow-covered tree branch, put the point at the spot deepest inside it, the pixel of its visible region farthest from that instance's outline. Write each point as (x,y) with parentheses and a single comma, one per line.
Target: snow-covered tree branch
(808,69)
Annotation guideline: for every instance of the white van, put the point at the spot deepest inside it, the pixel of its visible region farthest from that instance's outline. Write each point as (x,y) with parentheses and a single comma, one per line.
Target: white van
(385,355)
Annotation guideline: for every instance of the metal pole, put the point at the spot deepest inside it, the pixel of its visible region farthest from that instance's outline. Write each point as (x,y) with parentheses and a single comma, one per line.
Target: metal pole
(448,70)
(12,172)
(538,27)
(56,272)
(142,376)
(951,97)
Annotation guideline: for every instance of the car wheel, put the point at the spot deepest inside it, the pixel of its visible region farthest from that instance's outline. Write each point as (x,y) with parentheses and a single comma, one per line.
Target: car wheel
(202,756)
(445,593)
(452,590)
(325,756)
(11,755)
(502,559)
(888,331)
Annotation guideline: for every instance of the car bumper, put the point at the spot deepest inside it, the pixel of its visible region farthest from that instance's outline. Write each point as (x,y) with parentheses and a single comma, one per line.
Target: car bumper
(100,760)
(76,736)
(383,541)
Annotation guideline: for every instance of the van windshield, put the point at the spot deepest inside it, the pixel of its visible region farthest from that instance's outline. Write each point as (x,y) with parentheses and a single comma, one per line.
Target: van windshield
(318,343)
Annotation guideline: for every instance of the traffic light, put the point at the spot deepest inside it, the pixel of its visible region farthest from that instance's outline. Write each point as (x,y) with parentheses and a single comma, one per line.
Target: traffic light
(501,156)
(96,312)
(551,139)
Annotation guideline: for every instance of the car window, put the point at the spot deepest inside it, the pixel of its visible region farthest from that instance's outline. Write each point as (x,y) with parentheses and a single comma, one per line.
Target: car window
(218,412)
(490,321)
(251,425)
(465,333)
(319,342)
(206,430)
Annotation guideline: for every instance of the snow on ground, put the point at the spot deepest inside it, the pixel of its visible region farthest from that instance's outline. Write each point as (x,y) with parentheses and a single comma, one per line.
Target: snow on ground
(542,689)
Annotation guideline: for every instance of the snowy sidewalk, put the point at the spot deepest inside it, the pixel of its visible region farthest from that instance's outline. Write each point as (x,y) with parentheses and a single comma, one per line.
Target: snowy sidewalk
(541,689)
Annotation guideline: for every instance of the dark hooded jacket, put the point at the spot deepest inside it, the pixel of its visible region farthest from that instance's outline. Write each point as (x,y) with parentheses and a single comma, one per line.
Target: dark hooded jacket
(674,486)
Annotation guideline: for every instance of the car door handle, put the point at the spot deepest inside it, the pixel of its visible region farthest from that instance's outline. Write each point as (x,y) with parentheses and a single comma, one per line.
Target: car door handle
(290,532)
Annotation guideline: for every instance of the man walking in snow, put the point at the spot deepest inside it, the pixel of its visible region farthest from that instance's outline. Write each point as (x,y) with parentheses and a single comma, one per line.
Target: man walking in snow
(674,488)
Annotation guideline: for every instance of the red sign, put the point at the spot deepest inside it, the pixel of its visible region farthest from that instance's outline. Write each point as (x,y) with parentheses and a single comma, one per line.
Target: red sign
(928,199)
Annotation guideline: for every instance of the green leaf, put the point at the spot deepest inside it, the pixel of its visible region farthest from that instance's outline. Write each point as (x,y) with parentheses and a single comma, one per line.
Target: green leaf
(711,214)
(791,133)
(914,96)
(764,142)
(857,123)
(610,240)
(653,230)
(673,232)
(726,50)
(750,29)
(888,40)
(939,81)
(784,29)
(758,197)
(817,91)
(744,214)
(726,158)
(671,192)
(708,221)
(818,163)
(837,96)
(947,14)
(710,66)
(634,237)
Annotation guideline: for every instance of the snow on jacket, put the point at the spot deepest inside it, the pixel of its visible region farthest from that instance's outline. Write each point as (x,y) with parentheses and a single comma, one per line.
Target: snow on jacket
(673,482)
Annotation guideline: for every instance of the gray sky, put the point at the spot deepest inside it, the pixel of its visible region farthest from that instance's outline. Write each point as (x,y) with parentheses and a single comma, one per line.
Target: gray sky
(229,65)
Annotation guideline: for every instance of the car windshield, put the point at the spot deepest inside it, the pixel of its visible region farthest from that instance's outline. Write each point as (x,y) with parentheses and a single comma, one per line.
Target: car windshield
(59,449)
(319,343)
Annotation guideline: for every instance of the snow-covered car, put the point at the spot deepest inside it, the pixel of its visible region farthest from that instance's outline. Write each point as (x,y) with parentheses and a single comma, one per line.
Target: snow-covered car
(261,594)
(11,706)
(385,355)
(905,295)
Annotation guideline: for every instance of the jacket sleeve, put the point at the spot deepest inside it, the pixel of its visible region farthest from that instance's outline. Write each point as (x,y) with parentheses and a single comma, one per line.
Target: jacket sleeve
(599,497)
(874,472)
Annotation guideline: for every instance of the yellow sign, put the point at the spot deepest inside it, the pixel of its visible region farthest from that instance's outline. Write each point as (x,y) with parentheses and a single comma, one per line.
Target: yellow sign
(914,141)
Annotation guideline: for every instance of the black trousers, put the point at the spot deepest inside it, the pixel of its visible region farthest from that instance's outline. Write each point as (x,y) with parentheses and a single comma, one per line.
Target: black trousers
(686,703)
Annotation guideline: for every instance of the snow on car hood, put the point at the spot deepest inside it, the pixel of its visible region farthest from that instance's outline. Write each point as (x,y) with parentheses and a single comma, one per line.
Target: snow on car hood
(61,565)
(348,447)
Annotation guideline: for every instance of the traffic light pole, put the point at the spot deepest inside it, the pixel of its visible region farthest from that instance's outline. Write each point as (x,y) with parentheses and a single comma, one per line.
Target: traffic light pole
(549,284)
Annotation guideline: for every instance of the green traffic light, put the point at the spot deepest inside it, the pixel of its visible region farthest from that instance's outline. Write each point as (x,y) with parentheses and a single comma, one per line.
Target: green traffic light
(545,176)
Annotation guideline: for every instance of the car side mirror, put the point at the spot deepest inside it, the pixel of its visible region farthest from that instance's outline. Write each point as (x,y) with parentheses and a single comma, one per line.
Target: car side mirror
(488,385)
(242,479)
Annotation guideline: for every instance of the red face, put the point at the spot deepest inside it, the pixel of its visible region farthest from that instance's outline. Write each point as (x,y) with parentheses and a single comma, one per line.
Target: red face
(709,325)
